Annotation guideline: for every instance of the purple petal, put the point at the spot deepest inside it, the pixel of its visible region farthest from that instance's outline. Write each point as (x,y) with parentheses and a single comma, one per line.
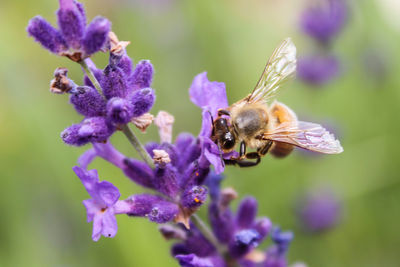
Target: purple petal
(88,102)
(208,95)
(142,76)
(194,197)
(91,208)
(71,23)
(192,260)
(247,212)
(49,37)
(109,224)
(97,227)
(107,192)
(139,172)
(88,179)
(119,110)
(142,101)
(96,35)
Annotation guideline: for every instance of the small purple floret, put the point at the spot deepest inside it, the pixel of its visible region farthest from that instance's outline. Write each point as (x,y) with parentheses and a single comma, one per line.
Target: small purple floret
(88,102)
(119,110)
(142,76)
(71,22)
(96,35)
(142,101)
(114,82)
(49,37)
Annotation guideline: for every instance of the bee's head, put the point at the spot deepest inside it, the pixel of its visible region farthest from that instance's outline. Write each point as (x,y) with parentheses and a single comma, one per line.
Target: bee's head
(224,134)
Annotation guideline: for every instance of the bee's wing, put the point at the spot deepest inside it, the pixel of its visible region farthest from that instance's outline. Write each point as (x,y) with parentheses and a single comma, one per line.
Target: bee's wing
(306,135)
(280,67)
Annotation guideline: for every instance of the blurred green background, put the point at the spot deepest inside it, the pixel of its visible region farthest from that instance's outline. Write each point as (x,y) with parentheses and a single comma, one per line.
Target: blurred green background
(43,222)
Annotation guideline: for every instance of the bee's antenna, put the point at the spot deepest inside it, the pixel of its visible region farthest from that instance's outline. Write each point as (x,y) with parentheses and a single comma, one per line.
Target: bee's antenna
(212,119)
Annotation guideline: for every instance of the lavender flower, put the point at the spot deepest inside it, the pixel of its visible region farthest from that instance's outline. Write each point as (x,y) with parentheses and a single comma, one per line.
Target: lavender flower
(209,96)
(237,235)
(318,69)
(103,205)
(73,39)
(319,210)
(175,172)
(325,20)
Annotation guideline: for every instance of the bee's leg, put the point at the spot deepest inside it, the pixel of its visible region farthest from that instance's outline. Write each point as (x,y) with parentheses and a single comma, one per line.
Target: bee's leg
(242,152)
(223,112)
(241,162)
(264,150)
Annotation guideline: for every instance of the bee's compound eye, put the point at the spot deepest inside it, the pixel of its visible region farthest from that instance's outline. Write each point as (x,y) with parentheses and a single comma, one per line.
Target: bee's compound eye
(228,141)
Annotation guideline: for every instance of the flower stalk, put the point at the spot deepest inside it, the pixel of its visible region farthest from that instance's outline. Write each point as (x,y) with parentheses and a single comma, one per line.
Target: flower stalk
(125,128)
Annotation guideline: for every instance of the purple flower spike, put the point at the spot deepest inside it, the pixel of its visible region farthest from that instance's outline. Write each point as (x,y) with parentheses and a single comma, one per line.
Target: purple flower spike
(49,37)
(100,208)
(247,212)
(210,96)
(71,22)
(317,70)
(119,110)
(142,101)
(114,82)
(88,102)
(323,22)
(142,76)
(96,35)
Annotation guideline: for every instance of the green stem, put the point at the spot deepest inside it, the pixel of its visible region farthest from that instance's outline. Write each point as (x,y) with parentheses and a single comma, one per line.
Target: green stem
(137,145)
(91,76)
(203,228)
(125,128)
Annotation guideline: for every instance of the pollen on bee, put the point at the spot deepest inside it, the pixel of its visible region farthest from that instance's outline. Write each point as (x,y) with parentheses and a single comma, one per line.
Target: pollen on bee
(197,173)
(196,200)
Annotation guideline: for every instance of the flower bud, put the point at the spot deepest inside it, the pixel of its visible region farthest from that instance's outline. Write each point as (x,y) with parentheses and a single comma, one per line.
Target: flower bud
(119,110)
(142,76)
(142,101)
(96,35)
(49,37)
(88,102)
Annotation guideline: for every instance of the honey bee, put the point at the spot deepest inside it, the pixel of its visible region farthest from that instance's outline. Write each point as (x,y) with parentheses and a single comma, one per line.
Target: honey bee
(269,127)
